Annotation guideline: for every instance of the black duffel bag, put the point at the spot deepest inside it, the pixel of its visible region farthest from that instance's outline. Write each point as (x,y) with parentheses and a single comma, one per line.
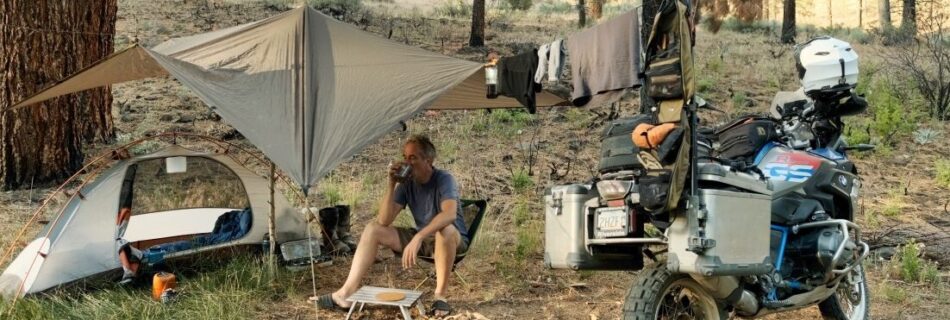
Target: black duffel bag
(617,149)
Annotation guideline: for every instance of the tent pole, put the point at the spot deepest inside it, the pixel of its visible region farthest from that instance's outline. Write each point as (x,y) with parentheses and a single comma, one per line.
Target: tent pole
(313,272)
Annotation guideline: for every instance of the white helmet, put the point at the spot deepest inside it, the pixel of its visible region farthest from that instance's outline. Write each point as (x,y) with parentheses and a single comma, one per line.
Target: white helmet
(826,64)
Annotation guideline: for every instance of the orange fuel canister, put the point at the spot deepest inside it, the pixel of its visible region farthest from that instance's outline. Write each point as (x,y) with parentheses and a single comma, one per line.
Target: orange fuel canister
(160,282)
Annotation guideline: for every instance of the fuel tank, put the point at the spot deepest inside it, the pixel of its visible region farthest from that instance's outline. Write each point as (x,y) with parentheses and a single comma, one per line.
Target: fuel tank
(786,168)
(822,179)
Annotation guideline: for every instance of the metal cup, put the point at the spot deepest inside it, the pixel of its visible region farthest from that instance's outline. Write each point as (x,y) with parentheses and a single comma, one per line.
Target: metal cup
(404,172)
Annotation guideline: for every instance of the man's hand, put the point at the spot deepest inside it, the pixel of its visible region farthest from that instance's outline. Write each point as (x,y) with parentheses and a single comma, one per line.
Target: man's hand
(410,252)
(393,168)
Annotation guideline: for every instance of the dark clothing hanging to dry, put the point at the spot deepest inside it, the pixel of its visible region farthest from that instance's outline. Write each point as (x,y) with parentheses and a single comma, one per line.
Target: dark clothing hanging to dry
(516,78)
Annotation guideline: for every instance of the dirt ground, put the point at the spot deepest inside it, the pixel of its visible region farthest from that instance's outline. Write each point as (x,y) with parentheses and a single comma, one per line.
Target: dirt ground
(504,277)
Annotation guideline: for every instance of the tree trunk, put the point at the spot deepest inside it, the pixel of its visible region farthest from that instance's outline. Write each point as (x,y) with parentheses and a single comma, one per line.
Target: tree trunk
(788,22)
(596,9)
(41,42)
(885,10)
(861,14)
(581,13)
(909,18)
(831,18)
(477,38)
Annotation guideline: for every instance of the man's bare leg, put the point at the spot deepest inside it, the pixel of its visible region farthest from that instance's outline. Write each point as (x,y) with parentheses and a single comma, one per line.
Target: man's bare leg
(127,263)
(446,243)
(373,236)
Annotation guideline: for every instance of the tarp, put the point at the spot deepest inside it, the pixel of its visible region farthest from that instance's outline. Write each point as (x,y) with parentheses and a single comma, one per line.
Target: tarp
(308,90)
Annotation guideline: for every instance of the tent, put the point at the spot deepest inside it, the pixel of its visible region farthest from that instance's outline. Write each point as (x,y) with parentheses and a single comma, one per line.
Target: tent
(308,90)
(82,241)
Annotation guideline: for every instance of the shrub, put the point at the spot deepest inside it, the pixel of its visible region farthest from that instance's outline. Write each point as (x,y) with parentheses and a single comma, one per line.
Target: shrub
(529,240)
(337,8)
(519,4)
(925,136)
(739,99)
(894,203)
(522,213)
(894,294)
(857,132)
(704,85)
(331,192)
(521,181)
(910,262)
(454,8)
(926,62)
(556,7)
(942,168)
(892,116)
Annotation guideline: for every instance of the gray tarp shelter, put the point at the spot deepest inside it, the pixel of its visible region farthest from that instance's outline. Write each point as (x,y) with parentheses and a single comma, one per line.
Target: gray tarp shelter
(308,90)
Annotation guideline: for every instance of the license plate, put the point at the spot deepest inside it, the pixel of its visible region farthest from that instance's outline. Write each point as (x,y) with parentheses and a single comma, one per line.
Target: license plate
(611,222)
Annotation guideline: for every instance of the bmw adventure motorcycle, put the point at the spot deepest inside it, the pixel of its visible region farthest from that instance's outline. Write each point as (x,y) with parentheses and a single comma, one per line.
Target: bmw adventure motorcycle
(767,221)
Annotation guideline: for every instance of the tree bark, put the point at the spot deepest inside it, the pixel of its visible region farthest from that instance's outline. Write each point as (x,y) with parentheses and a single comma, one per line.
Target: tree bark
(596,9)
(477,39)
(909,18)
(788,22)
(885,10)
(581,14)
(861,14)
(41,42)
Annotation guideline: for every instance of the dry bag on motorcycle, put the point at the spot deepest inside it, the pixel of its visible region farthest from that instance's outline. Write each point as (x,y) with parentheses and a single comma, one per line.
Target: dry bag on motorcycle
(743,137)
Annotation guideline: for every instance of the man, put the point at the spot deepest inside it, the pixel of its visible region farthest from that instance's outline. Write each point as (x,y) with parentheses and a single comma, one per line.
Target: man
(433,198)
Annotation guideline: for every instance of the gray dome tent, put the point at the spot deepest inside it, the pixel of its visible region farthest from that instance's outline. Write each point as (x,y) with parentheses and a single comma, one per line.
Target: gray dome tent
(81,242)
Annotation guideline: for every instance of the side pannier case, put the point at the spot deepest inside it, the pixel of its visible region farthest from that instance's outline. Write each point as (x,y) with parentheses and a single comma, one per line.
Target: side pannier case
(734,220)
(566,230)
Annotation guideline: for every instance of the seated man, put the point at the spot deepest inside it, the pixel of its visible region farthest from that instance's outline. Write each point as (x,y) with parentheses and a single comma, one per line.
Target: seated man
(433,197)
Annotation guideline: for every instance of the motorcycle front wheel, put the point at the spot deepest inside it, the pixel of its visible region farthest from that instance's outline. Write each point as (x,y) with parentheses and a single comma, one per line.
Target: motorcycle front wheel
(659,294)
(851,300)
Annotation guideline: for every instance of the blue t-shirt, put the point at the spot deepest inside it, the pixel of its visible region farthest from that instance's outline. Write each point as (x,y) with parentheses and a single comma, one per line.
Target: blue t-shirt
(424,200)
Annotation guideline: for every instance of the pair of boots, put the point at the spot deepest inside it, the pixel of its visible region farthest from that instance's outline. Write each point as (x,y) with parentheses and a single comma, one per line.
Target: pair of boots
(336,223)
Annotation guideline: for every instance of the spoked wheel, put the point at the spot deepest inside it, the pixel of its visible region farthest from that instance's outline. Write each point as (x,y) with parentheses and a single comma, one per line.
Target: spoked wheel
(851,300)
(659,294)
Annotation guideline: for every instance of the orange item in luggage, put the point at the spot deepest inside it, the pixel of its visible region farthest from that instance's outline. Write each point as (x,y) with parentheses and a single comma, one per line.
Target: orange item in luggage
(160,282)
(648,136)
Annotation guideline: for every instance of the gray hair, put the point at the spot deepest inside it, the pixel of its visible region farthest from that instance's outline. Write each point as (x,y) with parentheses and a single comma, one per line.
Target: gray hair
(428,149)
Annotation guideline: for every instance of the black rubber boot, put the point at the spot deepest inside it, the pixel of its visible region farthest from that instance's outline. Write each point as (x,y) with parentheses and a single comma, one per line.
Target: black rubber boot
(345,240)
(329,217)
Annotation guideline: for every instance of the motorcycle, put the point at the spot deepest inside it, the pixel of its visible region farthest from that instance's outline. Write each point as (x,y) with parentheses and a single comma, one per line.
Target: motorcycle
(766,225)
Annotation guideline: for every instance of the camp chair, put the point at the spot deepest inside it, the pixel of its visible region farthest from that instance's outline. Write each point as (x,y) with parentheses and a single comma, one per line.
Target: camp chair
(472,213)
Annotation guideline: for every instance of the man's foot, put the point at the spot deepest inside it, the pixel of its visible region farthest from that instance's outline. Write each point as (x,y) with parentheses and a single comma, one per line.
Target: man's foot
(440,308)
(331,301)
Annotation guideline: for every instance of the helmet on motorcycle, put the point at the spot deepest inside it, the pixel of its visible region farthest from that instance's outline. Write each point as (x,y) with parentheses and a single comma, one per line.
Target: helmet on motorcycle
(826,64)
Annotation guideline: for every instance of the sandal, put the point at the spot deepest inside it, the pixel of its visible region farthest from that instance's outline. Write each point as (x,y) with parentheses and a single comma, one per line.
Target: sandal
(440,305)
(326,302)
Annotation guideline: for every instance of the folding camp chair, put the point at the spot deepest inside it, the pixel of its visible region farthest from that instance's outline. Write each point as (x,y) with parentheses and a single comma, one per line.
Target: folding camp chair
(472,213)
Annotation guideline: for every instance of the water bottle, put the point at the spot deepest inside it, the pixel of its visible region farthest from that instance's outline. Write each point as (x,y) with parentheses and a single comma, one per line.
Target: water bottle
(265,244)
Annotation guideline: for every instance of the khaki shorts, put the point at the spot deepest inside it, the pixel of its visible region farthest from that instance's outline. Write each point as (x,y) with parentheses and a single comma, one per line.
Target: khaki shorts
(427,249)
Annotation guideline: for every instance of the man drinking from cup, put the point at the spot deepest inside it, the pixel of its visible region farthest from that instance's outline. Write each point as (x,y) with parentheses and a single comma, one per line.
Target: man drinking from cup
(433,198)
